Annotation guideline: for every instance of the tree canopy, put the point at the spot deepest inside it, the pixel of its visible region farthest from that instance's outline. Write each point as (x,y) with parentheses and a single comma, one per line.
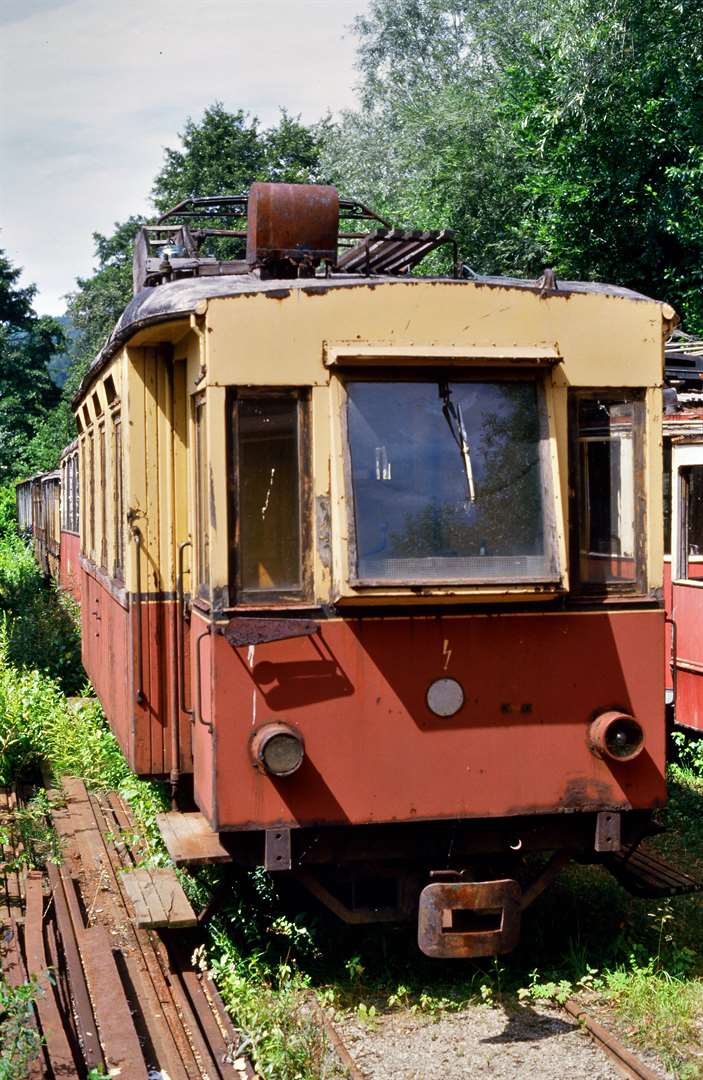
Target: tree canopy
(27,392)
(564,133)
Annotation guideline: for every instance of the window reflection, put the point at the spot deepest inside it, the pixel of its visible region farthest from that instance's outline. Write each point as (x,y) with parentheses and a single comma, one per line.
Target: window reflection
(450,481)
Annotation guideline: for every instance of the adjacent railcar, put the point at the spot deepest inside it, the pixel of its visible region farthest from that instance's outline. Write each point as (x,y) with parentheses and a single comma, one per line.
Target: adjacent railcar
(69,568)
(378,559)
(46,521)
(683,530)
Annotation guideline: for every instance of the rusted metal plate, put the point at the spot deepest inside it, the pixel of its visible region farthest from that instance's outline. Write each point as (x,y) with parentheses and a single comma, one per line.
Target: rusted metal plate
(608,831)
(53,1030)
(299,222)
(118,1035)
(258,631)
(83,1010)
(460,919)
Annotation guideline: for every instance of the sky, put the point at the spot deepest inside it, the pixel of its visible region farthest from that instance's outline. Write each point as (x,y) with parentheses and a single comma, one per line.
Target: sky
(91,91)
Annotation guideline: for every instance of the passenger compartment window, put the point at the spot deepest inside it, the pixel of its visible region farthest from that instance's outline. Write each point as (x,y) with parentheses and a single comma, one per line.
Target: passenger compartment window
(118,523)
(451,482)
(202,542)
(608,534)
(270,519)
(690,539)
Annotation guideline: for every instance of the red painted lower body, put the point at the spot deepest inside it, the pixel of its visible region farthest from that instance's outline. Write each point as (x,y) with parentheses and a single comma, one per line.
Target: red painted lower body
(374,752)
(144,728)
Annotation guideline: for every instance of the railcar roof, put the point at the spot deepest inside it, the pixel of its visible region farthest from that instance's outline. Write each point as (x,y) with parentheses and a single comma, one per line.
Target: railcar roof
(179,299)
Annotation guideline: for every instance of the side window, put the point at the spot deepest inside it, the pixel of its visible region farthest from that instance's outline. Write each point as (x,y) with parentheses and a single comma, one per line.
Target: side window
(202,538)
(118,523)
(269,538)
(666,478)
(690,540)
(103,496)
(607,507)
(91,494)
(76,494)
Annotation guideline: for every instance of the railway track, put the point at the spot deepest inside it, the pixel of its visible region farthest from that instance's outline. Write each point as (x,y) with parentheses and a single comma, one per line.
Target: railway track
(125,997)
(118,996)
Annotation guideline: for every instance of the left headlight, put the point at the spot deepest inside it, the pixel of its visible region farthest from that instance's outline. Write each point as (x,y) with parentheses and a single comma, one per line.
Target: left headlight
(278,748)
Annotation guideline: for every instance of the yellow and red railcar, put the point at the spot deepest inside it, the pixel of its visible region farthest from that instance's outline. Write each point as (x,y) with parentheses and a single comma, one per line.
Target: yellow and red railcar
(378,559)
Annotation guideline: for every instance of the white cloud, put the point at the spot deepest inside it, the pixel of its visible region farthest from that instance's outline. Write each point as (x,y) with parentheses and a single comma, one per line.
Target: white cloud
(93,91)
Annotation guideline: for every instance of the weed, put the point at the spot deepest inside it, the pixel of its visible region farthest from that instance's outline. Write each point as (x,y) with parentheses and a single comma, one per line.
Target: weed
(20,1041)
(29,830)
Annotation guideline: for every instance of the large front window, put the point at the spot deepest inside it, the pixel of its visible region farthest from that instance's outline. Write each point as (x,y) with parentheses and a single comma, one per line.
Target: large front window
(451,481)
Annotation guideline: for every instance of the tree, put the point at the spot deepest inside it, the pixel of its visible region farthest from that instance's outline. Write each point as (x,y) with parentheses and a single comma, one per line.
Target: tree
(27,392)
(563,133)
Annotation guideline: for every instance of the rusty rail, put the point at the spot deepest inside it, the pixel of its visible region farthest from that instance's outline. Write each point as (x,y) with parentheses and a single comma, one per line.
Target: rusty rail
(111,995)
(623,1059)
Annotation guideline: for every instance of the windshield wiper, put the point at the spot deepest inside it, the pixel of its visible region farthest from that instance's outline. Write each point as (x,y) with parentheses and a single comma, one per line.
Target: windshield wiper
(455,422)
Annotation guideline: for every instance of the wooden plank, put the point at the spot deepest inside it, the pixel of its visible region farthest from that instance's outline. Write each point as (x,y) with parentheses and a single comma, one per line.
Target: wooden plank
(189,839)
(118,1036)
(158,898)
(57,1044)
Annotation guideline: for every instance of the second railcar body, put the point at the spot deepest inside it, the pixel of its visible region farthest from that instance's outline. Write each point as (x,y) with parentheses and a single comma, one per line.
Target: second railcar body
(379,561)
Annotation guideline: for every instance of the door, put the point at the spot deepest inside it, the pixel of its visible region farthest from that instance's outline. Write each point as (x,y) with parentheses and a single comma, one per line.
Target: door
(687,582)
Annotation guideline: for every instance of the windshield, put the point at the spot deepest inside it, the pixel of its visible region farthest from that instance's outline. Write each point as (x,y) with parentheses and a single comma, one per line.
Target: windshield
(451,481)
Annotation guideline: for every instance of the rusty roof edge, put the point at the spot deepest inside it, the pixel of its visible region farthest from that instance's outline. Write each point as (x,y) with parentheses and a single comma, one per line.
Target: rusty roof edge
(178,299)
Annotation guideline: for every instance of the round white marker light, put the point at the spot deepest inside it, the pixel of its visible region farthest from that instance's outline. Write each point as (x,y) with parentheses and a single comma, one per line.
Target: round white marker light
(445,697)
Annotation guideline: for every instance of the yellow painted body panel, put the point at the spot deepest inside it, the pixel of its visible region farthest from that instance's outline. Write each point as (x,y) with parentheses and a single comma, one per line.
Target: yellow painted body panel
(293,337)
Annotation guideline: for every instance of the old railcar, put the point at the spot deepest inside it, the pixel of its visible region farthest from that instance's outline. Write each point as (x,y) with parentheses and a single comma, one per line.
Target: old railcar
(683,530)
(69,568)
(46,521)
(23,497)
(378,559)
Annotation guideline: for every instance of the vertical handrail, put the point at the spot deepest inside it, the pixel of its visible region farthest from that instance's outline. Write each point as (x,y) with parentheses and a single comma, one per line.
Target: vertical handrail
(180,629)
(137,537)
(197,705)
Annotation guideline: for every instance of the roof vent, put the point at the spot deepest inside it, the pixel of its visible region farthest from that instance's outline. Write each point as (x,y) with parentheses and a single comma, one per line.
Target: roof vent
(291,228)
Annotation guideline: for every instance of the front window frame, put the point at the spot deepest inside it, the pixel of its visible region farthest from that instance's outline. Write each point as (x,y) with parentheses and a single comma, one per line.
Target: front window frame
(637,586)
(356,584)
(263,597)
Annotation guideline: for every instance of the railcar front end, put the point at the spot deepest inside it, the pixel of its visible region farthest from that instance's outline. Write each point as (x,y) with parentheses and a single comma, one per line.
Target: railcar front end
(378,559)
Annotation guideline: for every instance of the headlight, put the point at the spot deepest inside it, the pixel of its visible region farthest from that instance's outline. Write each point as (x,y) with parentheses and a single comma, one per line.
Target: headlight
(278,748)
(617,736)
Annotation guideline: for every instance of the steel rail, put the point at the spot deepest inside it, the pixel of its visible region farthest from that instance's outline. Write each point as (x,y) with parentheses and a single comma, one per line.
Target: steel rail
(335,1038)
(623,1059)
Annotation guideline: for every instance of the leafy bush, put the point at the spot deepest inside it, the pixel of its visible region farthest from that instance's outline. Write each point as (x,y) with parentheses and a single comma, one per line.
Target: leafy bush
(41,622)
(20,1041)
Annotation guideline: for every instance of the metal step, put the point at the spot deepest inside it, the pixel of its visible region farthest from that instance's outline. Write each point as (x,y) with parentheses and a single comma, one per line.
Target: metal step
(647,875)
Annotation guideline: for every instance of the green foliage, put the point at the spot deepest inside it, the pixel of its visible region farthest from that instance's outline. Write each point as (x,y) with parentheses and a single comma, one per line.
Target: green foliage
(20,1041)
(40,624)
(27,392)
(29,830)
(271,1007)
(561,134)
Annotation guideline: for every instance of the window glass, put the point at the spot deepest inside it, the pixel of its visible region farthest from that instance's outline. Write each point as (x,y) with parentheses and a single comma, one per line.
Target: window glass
(119,511)
(691,520)
(103,498)
(268,505)
(202,546)
(91,466)
(608,446)
(450,481)
(667,495)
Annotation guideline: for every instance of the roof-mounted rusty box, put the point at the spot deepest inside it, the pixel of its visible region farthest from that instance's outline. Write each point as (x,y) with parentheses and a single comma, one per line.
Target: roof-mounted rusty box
(291,226)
